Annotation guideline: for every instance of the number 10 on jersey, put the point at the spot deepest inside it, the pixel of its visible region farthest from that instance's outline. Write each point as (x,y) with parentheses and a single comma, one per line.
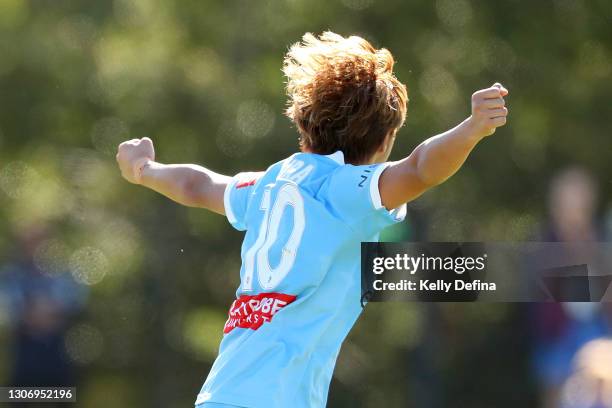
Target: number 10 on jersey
(257,257)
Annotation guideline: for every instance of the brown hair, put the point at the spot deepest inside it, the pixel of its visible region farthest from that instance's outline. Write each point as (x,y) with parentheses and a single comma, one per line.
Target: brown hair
(343,95)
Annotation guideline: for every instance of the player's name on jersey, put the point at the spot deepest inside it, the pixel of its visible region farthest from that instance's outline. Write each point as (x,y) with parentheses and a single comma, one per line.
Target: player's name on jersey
(438,285)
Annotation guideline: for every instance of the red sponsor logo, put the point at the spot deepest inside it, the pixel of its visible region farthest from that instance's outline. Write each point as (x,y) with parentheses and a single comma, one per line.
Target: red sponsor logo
(250,312)
(246,183)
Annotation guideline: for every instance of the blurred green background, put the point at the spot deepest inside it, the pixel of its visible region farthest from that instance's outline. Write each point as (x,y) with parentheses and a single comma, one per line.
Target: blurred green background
(203,80)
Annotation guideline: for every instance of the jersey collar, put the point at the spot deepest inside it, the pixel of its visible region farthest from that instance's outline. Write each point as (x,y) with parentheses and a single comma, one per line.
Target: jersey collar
(338,157)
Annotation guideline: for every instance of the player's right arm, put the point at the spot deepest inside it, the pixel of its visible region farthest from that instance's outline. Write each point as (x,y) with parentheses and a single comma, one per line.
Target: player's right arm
(187,184)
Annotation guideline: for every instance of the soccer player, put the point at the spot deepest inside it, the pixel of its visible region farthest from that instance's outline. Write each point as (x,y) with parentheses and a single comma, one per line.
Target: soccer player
(306,215)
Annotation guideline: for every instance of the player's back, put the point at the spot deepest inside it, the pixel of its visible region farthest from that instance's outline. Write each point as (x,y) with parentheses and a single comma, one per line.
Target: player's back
(300,283)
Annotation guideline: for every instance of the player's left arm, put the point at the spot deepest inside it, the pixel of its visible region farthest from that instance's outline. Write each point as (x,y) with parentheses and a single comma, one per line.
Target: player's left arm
(187,184)
(441,156)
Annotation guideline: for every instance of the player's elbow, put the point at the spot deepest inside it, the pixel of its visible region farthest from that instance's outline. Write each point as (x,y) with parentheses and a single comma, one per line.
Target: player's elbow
(195,190)
(428,178)
(426,171)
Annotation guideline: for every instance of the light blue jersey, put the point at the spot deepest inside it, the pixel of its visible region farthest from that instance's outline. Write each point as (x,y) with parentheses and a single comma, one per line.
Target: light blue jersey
(300,282)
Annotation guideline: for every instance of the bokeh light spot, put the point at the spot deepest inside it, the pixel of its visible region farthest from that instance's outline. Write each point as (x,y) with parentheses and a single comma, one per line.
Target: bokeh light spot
(84,343)
(15,179)
(438,86)
(202,68)
(255,118)
(454,13)
(88,265)
(51,257)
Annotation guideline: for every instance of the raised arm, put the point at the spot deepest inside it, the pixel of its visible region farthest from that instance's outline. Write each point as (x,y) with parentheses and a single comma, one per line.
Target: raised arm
(187,184)
(439,157)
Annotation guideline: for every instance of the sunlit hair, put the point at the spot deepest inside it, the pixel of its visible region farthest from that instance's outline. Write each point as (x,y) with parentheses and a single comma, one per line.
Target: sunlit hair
(343,95)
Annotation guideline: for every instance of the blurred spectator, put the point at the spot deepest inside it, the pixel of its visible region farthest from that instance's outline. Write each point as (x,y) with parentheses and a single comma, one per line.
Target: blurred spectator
(590,384)
(561,329)
(572,202)
(41,306)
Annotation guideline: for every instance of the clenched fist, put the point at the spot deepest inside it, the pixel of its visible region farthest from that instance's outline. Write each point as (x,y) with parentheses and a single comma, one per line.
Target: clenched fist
(489,110)
(132,156)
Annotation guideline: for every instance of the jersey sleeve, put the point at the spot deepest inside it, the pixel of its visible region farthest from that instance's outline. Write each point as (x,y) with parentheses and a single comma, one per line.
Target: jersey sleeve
(237,197)
(354,195)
